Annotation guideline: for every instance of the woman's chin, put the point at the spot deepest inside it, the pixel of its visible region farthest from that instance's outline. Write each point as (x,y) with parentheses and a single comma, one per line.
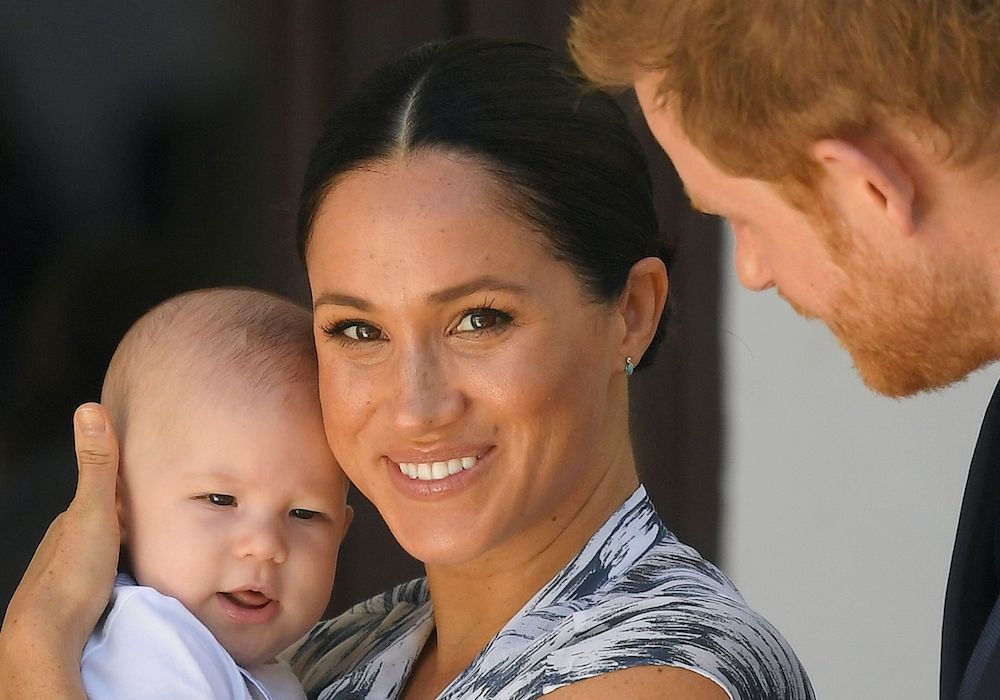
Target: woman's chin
(439,543)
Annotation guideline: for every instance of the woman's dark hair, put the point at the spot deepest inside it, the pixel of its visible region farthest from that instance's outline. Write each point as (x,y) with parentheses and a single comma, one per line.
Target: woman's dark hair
(563,151)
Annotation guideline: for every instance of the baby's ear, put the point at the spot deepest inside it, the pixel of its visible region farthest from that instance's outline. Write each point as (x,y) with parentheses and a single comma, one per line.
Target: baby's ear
(120,505)
(348,519)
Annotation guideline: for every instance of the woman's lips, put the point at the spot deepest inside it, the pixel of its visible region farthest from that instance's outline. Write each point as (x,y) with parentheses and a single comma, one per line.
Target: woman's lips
(248,606)
(441,469)
(439,474)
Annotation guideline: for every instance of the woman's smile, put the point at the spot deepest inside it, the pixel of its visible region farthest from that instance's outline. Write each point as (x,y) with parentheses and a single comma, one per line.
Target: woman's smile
(438,480)
(435,471)
(441,464)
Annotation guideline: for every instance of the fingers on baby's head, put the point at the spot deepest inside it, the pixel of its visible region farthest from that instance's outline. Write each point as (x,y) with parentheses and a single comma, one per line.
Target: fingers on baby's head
(211,341)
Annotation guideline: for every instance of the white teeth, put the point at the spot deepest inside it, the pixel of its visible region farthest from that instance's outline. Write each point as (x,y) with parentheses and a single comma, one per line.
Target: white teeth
(433,471)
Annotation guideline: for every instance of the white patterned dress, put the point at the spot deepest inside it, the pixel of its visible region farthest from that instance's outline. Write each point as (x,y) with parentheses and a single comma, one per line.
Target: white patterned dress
(633,596)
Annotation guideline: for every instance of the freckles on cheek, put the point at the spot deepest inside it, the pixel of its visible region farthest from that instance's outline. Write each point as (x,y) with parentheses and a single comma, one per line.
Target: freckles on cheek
(349,402)
(544,388)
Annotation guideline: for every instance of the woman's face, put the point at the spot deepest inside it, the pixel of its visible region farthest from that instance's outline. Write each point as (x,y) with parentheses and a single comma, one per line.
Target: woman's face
(471,389)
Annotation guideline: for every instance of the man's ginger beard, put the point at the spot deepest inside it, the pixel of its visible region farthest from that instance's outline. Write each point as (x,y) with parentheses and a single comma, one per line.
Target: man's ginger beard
(908,328)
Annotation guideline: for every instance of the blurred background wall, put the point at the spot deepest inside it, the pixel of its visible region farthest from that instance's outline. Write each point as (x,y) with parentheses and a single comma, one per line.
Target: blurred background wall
(150,149)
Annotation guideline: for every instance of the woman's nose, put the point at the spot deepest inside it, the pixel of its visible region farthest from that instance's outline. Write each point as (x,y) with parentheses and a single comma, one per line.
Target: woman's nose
(262,540)
(751,267)
(426,396)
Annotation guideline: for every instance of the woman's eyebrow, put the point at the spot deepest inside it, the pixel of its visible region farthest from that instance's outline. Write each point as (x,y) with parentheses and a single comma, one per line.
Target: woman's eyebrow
(486,283)
(341,299)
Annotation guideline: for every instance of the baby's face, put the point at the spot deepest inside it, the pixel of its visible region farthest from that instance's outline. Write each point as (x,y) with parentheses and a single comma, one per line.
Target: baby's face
(237,509)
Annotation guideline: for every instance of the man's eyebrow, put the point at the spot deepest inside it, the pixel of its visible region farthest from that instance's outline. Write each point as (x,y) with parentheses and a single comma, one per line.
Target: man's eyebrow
(486,283)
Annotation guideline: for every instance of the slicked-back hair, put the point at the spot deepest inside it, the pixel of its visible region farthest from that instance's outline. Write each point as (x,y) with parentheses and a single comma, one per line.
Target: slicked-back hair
(563,154)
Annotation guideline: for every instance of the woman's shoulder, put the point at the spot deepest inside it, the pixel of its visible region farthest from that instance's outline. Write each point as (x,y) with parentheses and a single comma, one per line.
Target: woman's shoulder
(636,597)
(674,608)
(366,630)
(656,606)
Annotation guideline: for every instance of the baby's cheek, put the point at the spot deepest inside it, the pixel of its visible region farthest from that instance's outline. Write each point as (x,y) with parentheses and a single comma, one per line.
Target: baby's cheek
(142,549)
(324,571)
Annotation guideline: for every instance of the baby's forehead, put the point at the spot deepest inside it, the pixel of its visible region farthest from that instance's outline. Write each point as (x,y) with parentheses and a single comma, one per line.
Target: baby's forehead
(215,336)
(222,427)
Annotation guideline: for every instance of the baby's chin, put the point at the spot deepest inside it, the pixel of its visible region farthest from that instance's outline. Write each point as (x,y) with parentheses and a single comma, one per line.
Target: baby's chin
(250,647)
(249,657)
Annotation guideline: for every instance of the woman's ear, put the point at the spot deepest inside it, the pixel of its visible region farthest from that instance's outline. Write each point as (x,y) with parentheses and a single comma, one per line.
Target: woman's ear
(641,305)
(868,179)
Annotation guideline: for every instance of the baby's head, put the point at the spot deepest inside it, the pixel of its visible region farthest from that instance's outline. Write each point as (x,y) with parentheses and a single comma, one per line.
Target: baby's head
(229,497)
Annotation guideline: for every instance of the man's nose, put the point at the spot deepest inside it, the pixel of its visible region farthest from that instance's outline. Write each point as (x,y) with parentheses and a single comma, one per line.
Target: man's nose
(751,267)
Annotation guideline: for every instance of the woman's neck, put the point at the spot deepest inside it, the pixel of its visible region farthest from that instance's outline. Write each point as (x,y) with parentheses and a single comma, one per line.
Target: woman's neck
(473,601)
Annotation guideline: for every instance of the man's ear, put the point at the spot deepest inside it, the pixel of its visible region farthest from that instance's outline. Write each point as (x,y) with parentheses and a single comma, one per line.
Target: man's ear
(868,174)
(642,305)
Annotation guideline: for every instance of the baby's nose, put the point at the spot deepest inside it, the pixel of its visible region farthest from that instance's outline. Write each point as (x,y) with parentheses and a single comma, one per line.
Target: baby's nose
(263,541)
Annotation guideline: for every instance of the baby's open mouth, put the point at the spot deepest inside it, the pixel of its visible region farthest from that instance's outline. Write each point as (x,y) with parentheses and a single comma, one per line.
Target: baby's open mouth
(248,599)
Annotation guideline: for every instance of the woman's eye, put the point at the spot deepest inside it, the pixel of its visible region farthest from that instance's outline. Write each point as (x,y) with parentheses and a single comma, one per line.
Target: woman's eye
(361,331)
(303,514)
(356,331)
(482,320)
(220,499)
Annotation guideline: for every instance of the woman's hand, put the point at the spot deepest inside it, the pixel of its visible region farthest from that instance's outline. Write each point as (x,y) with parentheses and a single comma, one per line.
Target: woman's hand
(68,583)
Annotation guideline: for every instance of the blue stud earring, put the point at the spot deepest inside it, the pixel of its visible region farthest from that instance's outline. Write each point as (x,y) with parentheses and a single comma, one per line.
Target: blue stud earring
(629,367)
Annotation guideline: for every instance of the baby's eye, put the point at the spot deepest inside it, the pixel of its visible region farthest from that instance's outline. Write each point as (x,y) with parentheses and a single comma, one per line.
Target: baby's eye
(303,514)
(482,320)
(221,499)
